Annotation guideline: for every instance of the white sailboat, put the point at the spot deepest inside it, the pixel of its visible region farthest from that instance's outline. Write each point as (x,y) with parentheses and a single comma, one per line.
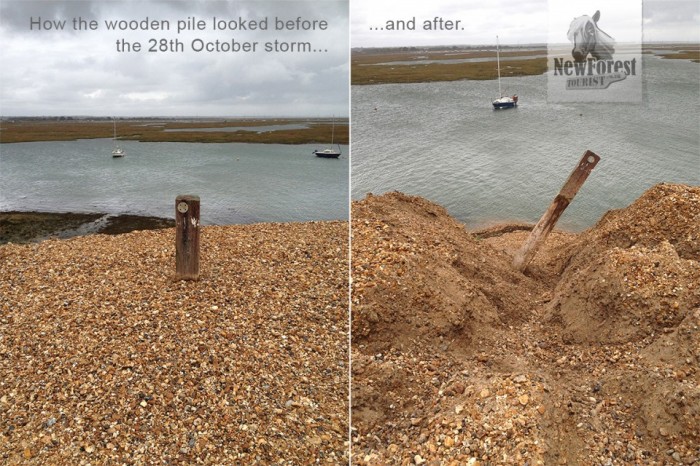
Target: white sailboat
(117,151)
(502,101)
(329,153)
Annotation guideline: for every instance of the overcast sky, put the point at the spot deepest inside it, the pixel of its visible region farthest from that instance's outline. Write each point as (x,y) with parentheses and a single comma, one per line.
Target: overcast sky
(521,21)
(50,72)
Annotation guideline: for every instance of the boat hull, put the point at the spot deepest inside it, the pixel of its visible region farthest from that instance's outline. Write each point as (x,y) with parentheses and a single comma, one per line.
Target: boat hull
(327,154)
(505,102)
(499,105)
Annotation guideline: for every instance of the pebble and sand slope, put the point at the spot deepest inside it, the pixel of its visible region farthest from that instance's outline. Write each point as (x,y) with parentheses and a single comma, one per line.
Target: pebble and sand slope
(590,357)
(106,359)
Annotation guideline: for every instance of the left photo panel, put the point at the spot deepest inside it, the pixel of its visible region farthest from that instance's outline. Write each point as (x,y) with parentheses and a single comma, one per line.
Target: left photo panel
(174,202)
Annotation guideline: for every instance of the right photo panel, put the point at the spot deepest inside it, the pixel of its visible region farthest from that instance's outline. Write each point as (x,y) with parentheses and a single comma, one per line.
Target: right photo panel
(525,181)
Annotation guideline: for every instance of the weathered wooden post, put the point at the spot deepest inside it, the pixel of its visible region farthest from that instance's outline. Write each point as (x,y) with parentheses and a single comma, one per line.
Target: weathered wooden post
(551,216)
(187,237)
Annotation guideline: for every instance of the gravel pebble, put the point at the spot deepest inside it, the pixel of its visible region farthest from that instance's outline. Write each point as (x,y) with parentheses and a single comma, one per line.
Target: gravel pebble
(590,357)
(131,366)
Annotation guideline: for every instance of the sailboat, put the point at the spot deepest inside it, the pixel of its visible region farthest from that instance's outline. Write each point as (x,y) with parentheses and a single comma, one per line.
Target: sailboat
(329,153)
(117,151)
(502,101)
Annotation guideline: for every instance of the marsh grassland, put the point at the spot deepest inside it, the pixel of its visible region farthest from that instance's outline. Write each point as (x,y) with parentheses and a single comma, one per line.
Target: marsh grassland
(393,65)
(156,130)
(374,66)
(675,51)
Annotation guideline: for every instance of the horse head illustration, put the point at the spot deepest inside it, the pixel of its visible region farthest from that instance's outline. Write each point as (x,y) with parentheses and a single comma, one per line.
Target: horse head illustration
(588,38)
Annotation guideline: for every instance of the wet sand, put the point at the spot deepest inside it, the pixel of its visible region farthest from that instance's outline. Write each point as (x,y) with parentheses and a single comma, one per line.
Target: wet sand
(31,227)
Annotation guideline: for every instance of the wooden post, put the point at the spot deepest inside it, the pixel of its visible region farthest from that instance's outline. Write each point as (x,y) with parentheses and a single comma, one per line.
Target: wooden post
(551,216)
(187,237)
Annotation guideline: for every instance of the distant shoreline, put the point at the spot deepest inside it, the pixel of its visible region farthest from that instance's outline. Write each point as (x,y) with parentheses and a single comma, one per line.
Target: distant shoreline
(392,65)
(35,129)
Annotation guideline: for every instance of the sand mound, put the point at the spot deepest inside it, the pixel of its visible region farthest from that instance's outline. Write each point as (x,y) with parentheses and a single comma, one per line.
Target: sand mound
(665,212)
(418,276)
(426,295)
(591,357)
(636,273)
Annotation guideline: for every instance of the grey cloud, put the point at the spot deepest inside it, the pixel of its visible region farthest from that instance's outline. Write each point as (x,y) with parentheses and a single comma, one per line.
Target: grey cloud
(83,74)
(17,15)
(671,11)
(668,20)
(515,21)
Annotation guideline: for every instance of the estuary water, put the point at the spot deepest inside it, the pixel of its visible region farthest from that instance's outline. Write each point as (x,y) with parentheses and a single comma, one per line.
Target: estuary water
(236,182)
(443,141)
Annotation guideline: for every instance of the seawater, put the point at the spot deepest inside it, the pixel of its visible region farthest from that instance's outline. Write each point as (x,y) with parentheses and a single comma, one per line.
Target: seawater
(443,141)
(236,182)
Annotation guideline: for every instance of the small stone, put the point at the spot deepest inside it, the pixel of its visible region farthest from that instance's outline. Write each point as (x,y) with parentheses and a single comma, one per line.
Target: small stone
(449,442)
(485,393)
(416,420)
(520,379)
(27,454)
(540,409)
(51,422)
(459,409)
(523,399)
(89,449)
(663,432)
(143,404)
(418,459)
(676,456)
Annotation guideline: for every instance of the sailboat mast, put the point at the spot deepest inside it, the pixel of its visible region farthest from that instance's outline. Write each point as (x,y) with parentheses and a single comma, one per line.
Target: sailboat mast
(333,131)
(498,66)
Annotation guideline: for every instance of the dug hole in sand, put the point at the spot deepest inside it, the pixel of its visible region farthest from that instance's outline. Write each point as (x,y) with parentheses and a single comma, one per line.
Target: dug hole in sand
(590,357)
